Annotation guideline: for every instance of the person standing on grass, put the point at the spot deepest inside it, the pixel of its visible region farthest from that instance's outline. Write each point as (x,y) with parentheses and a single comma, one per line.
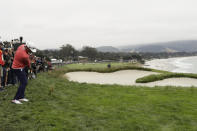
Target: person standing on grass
(1,64)
(11,75)
(6,67)
(21,61)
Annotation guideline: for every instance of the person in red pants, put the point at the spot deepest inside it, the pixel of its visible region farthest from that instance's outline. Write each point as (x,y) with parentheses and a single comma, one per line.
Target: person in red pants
(21,61)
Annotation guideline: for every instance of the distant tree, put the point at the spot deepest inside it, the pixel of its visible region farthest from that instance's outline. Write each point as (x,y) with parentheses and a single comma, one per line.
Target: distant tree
(39,53)
(51,53)
(67,52)
(89,52)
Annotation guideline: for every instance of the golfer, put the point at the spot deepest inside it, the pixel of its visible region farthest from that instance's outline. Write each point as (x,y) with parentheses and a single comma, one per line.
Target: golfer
(21,60)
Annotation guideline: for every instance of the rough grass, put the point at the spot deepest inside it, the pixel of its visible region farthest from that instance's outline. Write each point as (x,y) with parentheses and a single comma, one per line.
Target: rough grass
(102,68)
(157,77)
(59,105)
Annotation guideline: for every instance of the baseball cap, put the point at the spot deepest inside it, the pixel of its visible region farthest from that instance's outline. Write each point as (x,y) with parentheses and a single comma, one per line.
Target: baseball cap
(31,47)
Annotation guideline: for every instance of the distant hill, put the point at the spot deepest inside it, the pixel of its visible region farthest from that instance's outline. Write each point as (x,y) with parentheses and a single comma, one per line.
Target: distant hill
(172,46)
(107,49)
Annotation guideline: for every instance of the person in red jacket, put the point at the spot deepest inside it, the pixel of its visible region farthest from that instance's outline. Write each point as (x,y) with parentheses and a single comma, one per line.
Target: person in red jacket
(21,60)
(1,64)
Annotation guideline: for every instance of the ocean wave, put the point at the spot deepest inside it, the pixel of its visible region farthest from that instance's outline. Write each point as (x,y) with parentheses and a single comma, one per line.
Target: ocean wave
(181,63)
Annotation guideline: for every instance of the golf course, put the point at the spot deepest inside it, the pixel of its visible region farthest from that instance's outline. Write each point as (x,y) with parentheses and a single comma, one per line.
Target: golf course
(59,103)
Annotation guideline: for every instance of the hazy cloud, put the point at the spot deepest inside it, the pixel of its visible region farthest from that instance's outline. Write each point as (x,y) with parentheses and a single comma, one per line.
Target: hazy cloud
(51,23)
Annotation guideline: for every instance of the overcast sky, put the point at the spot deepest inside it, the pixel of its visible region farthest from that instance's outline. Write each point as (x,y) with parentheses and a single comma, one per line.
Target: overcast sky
(52,23)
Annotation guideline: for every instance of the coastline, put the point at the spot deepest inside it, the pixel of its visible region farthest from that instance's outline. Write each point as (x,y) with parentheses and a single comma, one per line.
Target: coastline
(175,64)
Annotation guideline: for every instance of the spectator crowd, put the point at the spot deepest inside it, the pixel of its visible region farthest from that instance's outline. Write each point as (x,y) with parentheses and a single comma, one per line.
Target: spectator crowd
(7,75)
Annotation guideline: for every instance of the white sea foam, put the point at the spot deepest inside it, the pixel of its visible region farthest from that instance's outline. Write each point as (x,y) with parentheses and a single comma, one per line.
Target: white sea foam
(180,64)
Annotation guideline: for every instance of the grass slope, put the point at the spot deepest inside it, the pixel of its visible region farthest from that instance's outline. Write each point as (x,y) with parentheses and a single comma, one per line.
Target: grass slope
(57,104)
(162,76)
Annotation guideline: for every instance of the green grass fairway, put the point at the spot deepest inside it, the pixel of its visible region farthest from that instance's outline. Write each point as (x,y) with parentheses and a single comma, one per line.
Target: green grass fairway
(59,105)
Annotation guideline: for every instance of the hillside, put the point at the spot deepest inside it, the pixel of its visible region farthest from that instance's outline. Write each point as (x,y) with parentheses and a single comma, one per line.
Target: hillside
(107,49)
(172,46)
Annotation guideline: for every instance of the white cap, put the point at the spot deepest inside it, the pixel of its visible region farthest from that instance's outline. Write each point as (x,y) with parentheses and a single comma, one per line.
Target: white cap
(31,46)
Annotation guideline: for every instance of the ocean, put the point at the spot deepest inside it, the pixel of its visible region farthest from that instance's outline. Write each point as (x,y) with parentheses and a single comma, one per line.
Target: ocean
(179,64)
(186,65)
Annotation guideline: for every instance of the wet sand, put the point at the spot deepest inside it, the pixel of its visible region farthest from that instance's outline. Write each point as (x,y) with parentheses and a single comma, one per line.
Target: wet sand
(127,77)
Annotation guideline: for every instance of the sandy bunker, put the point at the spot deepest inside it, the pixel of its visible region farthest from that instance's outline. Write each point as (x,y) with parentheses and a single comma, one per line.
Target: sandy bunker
(126,77)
